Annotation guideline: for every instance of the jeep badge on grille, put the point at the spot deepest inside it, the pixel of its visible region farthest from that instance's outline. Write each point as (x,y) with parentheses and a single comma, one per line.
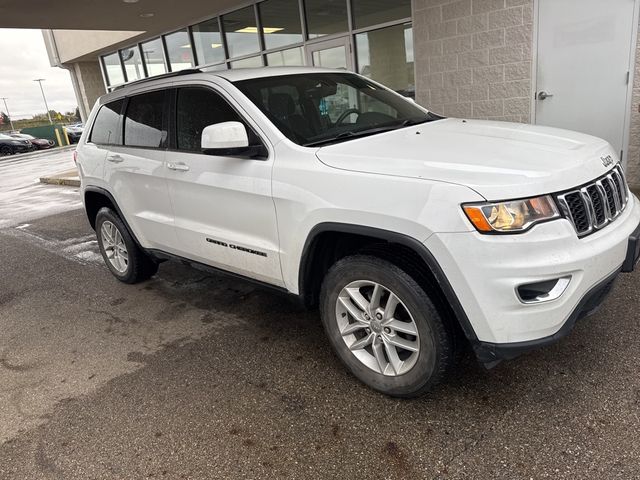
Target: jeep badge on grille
(607,161)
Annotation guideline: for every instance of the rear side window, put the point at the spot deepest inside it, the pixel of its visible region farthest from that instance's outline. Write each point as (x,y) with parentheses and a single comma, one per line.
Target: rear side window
(105,128)
(143,123)
(198,108)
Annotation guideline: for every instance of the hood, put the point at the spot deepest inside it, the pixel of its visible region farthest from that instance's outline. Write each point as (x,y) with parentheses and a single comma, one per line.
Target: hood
(498,160)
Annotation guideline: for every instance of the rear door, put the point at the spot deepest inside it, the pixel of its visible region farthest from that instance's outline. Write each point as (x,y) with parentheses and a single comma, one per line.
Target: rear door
(224,213)
(135,170)
(104,134)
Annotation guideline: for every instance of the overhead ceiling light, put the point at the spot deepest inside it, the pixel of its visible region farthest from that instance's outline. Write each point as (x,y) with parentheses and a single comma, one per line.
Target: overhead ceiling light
(255,29)
(185,46)
(146,15)
(130,1)
(216,45)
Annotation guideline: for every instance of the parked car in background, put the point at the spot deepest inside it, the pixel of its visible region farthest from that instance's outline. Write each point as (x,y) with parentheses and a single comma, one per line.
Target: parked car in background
(38,143)
(10,145)
(74,132)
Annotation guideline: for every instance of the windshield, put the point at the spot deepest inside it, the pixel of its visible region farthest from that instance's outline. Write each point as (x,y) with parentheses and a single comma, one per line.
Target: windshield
(322,108)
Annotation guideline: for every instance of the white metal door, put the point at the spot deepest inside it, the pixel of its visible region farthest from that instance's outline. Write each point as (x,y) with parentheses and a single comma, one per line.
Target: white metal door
(583,67)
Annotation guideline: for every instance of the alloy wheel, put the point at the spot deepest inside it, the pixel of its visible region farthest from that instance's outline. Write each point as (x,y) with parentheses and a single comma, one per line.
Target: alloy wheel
(114,246)
(377,327)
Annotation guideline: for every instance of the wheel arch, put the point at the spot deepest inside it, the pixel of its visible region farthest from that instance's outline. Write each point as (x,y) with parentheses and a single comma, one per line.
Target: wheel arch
(396,247)
(96,198)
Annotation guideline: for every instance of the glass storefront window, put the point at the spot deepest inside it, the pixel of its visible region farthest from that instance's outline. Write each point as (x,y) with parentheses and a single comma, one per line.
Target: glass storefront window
(132,63)
(113,69)
(280,23)
(286,58)
(374,12)
(251,62)
(241,31)
(179,53)
(153,57)
(208,42)
(325,17)
(386,55)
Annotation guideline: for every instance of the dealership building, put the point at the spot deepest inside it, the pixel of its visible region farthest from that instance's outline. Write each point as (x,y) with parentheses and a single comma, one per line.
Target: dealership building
(567,63)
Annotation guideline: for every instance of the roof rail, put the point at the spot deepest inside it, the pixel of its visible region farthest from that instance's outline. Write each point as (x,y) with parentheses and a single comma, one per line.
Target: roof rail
(179,73)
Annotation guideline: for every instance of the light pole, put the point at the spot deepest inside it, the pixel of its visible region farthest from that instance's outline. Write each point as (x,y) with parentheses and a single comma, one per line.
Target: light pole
(40,80)
(8,114)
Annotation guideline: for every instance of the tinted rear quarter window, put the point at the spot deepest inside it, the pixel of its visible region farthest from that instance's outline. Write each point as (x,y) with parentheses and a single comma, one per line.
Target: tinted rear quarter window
(105,127)
(143,123)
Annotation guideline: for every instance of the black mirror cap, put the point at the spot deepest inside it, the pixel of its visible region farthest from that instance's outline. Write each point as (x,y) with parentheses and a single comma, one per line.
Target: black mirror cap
(258,152)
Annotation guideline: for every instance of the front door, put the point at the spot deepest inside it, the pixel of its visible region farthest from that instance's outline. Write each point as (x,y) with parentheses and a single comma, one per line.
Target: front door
(584,51)
(224,211)
(334,53)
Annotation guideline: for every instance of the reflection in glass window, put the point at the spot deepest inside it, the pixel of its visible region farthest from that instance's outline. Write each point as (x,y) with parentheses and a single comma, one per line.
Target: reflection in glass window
(286,58)
(143,120)
(105,127)
(153,57)
(241,32)
(325,17)
(208,42)
(372,12)
(113,69)
(335,57)
(198,108)
(179,54)
(386,55)
(280,23)
(132,63)
(248,62)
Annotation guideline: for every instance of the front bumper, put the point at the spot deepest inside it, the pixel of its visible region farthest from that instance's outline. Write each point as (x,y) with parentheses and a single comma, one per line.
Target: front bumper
(485,270)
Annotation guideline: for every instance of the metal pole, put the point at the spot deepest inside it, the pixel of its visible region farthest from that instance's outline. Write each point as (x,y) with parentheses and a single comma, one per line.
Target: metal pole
(8,114)
(40,80)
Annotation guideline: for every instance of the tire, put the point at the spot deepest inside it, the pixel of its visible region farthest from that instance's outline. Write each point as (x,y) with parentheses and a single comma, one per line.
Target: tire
(5,150)
(428,354)
(126,261)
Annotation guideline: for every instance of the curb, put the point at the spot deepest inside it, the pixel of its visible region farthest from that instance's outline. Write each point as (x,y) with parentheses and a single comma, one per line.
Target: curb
(69,182)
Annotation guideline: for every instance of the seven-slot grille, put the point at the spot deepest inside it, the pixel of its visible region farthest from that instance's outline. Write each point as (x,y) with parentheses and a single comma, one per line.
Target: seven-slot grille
(595,205)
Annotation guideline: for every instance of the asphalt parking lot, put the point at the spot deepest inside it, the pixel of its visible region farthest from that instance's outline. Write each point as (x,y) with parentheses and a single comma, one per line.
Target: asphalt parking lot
(191,375)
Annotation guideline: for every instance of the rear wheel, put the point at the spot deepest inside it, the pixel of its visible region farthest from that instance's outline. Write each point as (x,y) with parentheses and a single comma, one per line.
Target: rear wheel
(384,327)
(126,261)
(5,150)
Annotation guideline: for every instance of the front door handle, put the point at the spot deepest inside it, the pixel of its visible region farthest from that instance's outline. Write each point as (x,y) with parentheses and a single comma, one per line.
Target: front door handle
(115,158)
(180,167)
(544,95)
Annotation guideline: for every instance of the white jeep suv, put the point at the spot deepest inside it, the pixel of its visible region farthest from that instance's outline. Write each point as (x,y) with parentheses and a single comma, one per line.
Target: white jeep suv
(414,234)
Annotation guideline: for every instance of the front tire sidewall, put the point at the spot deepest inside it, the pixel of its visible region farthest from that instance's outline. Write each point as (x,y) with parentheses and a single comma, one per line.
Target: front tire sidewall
(429,366)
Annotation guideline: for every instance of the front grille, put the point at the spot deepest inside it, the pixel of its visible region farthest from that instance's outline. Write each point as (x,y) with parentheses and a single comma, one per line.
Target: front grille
(596,204)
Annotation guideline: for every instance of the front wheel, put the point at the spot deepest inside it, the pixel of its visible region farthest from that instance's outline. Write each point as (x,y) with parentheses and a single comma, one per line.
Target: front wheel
(384,327)
(126,261)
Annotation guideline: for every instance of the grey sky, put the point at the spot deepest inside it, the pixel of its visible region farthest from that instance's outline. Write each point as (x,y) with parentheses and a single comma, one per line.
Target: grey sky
(23,57)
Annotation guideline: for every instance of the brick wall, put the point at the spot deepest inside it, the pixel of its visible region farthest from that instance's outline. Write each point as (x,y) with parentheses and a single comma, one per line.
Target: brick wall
(633,155)
(473,57)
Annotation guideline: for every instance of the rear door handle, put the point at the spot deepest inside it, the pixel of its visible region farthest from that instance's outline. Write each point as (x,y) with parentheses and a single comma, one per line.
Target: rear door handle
(115,158)
(180,167)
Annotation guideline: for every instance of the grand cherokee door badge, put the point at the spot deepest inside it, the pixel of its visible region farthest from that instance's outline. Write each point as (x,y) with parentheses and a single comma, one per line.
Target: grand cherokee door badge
(236,247)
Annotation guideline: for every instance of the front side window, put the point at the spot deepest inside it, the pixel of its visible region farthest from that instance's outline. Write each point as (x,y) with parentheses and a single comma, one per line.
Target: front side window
(313,109)
(105,127)
(143,125)
(196,109)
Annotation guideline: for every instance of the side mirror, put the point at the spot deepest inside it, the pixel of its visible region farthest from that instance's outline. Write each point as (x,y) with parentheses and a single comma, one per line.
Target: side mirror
(224,136)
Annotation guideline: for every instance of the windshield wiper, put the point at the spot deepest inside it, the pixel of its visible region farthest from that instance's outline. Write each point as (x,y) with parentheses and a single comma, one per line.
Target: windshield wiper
(349,135)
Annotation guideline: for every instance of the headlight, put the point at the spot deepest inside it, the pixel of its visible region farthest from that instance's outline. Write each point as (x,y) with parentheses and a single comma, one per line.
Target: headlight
(511,216)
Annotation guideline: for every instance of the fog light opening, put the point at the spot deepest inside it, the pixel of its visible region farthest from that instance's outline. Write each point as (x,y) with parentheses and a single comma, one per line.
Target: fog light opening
(545,291)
